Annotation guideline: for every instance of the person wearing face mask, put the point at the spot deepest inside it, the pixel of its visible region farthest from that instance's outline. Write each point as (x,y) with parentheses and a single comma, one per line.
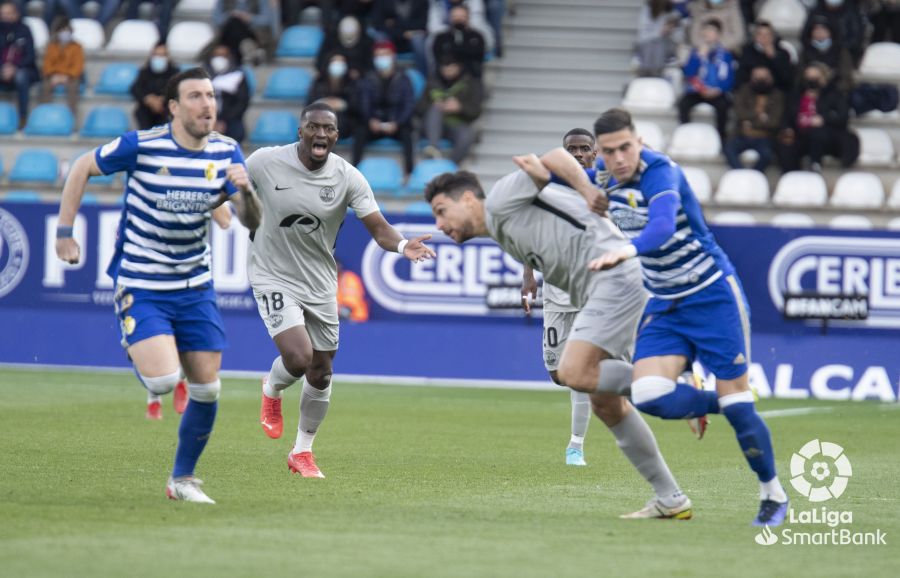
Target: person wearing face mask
(763,50)
(759,108)
(351,42)
(405,24)
(17,57)
(461,42)
(822,47)
(816,123)
(846,22)
(451,104)
(232,92)
(150,86)
(727,12)
(63,64)
(335,88)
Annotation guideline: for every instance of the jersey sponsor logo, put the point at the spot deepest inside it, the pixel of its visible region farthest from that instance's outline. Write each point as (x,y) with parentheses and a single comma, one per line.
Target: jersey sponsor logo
(626,219)
(13,252)
(306,224)
(841,268)
(326,195)
(110,147)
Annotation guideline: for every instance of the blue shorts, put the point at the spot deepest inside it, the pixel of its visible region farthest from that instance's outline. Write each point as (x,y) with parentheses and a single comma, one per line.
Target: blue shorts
(712,326)
(191,315)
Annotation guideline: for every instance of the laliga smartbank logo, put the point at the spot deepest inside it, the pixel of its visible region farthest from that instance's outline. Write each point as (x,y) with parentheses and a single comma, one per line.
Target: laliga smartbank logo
(820,471)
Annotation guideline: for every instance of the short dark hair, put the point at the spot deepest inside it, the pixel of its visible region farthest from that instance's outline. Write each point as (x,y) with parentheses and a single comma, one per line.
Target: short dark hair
(613,120)
(578,132)
(314,106)
(175,82)
(715,23)
(453,185)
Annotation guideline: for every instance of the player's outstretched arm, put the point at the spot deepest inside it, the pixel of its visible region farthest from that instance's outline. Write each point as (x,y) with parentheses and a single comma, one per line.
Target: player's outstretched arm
(389,239)
(562,164)
(82,169)
(245,202)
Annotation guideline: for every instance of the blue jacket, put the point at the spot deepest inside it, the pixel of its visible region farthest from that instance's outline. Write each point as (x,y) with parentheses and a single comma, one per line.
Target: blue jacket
(392,103)
(716,70)
(17,46)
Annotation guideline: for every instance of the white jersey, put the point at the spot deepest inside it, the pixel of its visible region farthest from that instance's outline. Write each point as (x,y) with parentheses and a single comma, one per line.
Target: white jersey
(557,300)
(302,212)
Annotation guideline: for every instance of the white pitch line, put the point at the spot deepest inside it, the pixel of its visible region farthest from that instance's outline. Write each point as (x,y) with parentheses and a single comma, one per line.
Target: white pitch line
(795,411)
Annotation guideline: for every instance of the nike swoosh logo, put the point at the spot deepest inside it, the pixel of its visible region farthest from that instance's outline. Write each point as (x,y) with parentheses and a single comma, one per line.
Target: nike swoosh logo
(267,425)
(277,188)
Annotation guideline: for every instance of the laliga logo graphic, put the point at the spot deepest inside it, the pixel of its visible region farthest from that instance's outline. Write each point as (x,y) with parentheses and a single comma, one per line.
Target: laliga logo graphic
(820,471)
(13,252)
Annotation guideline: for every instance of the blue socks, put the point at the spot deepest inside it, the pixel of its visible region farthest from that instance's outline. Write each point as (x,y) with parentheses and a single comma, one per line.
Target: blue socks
(193,433)
(752,433)
(669,400)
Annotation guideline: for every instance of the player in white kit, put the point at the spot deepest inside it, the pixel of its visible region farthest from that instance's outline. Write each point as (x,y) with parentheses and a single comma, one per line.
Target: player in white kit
(305,192)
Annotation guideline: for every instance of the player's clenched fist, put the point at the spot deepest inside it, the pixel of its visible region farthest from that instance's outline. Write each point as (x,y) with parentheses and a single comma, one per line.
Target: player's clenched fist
(68,250)
(237,174)
(416,250)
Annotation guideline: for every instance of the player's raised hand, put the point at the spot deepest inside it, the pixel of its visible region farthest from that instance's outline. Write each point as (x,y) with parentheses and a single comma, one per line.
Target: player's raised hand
(416,250)
(68,250)
(612,258)
(533,166)
(237,174)
(529,288)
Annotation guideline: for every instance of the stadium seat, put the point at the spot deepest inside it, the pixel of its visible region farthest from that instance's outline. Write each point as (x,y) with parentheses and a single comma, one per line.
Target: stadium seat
(800,189)
(299,41)
(881,60)
(695,141)
(743,187)
(426,170)
(104,121)
(21,197)
(793,220)
(698,179)
(90,199)
(9,118)
(89,33)
(1,166)
(791,50)
(251,79)
(385,145)
(418,208)
(443,144)
(418,82)
(50,120)
(857,190)
(649,94)
(651,134)
(786,16)
(39,32)
(35,165)
(893,201)
(187,39)
(275,127)
(854,222)
(117,78)
(383,174)
(875,147)
(133,38)
(739,218)
(894,224)
(194,7)
(288,83)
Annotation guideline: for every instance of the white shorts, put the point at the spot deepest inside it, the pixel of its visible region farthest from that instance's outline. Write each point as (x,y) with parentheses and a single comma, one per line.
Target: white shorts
(557,325)
(280,310)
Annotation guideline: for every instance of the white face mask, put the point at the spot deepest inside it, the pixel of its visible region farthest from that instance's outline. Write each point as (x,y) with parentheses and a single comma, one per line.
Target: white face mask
(218,64)
(159,63)
(337,69)
(64,36)
(384,63)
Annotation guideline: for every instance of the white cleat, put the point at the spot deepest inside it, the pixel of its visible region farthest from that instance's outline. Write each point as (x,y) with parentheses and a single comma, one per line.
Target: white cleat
(655,509)
(187,489)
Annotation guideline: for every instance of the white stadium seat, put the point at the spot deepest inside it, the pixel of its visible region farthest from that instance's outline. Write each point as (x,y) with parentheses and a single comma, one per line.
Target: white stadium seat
(791,50)
(89,33)
(651,134)
(743,187)
(857,222)
(875,147)
(734,218)
(881,60)
(793,220)
(801,189)
(786,16)
(133,38)
(194,7)
(186,39)
(649,94)
(858,191)
(695,141)
(894,224)
(894,200)
(698,179)
(38,32)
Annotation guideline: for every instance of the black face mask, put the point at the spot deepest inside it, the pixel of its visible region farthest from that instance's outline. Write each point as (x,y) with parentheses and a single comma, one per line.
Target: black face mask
(460,25)
(761,86)
(811,84)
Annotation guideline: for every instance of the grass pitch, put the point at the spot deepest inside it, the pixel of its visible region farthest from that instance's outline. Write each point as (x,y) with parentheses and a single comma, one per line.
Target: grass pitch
(421,482)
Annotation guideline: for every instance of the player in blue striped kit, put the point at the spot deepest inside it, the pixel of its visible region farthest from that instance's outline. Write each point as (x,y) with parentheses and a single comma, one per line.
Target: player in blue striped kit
(165,302)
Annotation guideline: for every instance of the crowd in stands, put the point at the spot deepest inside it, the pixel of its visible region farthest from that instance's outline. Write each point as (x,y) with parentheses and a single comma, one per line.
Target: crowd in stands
(790,100)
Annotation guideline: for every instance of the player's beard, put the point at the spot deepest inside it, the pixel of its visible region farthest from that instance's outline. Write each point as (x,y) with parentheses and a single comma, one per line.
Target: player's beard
(196,129)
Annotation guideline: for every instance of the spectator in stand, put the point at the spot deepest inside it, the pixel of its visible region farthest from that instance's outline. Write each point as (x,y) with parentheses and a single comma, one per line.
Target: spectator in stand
(352,43)
(164,10)
(460,42)
(405,24)
(496,9)
(846,21)
(247,27)
(816,123)
(439,20)
(63,64)
(451,103)
(658,35)
(72,9)
(232,92)
(759,108)
(728,13)
(885,18)
(708,77)
(822,47)
(150,86)
(386,105)
(338,90)
(351,295)
(765,51)
(17,58)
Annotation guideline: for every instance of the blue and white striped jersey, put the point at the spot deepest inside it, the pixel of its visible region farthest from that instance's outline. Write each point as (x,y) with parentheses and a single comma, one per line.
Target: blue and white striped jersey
(162,237)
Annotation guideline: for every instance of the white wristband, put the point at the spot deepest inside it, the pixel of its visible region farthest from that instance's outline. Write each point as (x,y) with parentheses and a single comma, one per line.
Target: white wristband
(402,245)
(630,250)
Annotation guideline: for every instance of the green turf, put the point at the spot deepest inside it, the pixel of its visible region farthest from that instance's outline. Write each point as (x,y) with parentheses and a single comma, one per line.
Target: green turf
(422,482)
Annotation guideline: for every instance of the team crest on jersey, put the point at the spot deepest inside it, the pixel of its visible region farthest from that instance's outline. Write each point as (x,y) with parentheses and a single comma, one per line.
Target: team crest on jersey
(275,320)
(326,194)
(163,171)
(550,358)
(210,172)
(128,325)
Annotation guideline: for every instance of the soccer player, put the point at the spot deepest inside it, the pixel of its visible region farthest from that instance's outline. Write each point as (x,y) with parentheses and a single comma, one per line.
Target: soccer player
(305,192)
(697,309)
(556,233)
(559,314)
(164,300)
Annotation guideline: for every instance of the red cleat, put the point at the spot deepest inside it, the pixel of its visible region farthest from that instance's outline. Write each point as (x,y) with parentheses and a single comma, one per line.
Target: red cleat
(154,411)
(304,463)
(270,415)
(180,397)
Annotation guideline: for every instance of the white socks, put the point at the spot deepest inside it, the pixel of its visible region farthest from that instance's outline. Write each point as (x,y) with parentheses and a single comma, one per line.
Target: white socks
(772,490)
(279,379)
(313,407)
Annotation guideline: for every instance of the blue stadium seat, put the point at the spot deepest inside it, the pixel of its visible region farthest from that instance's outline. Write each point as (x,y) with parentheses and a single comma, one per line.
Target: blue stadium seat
(387,145)
(117,78)
(418,82)
(90,199)
(105,121)
(426,170)
(9,118)
(303,41)
(251,79)
(383,174)
(289,82)
(101,180)
(275,127)
(50,120)
(22,197)
(418,208)
(37,165)
(443,144)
